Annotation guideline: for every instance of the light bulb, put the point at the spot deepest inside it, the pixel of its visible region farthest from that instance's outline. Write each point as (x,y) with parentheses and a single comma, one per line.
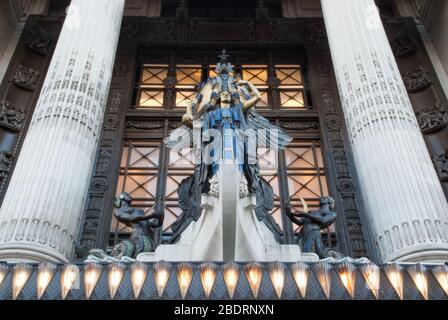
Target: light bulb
(184,276)
(92,273)
(299,271)
(231,275)
(162,271)
(394,272)
(277,275)
(441,275)
(116,273)
(45,273)
(208,277)
(3,272)
(323,274)
(420,278)
(138,277)
(20,275)
(254,273)
(347,274)
(371,274)
(69,276)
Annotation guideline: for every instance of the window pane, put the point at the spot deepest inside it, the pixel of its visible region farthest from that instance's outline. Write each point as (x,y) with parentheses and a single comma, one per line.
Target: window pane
(258,75)
(289,76)
(188,76)
(151,98)
(183,96)
(291,99)
(153,75)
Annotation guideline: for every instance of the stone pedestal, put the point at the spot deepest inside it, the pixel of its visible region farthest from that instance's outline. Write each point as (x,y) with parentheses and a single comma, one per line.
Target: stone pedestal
(228,230)
(405,208)
(41,212)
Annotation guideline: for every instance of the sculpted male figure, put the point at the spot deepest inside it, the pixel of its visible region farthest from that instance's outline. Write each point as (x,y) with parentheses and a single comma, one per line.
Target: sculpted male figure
(313,222)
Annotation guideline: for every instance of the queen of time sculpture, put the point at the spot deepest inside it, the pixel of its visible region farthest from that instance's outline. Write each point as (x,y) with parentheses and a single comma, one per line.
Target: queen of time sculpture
(226,204)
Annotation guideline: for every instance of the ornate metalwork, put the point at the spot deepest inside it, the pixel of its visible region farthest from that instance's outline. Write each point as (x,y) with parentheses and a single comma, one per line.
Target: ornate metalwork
(25,77)
(432,118)
(417,80)
(11,117)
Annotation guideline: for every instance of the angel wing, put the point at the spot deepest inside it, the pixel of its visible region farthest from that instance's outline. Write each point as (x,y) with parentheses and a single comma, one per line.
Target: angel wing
(268,135)
(179,139)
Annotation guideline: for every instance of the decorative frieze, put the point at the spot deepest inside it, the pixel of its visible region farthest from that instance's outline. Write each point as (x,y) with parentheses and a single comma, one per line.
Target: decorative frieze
(144,125)
(432,118)
(309,125)
(25,78)
(11,117)
(417,80)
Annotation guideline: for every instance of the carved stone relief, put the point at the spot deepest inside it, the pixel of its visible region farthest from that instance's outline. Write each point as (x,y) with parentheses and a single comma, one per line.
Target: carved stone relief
(441,165)
(432,118)
(6,159)
(25,77)
(417,80)
(404,45)
(39,42)
(11,117)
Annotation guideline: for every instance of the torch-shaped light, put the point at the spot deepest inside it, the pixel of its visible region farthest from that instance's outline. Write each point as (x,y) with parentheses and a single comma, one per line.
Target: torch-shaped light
(162,272)
(20,275)
(92,273)
(371,274)
(323,274)
(347,274)
(277,275)
(208,277)
(254,273)
(299,271)
(116,274)
(184,276)
(45,273)
(231,274)
(441,275)
(420,278)
(138,277)
(69,276)
(394,272)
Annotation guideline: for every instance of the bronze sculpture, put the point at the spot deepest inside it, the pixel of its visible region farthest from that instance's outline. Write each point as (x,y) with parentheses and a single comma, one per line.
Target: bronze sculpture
(144,228)
(313,222)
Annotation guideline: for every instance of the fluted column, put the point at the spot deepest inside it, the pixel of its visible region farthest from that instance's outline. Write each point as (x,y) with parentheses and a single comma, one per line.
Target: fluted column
(406,210)
(41,212)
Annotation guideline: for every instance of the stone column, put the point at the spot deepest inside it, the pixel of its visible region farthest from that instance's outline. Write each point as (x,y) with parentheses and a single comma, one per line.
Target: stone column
(41,212)
(406,210)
